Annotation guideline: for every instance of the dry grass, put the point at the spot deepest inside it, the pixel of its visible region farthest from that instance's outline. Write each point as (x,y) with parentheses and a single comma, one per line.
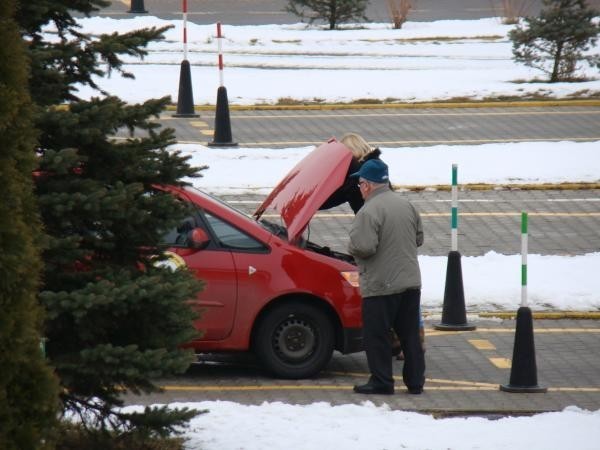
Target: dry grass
(398,11)
(512,10)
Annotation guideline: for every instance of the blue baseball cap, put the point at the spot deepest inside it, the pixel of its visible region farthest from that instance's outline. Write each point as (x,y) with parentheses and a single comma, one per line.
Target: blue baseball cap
(374,170)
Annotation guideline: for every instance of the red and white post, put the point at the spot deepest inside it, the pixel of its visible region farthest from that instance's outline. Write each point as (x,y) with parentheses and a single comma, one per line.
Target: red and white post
(185,47)
(185,100)
(220,49)
(222,134)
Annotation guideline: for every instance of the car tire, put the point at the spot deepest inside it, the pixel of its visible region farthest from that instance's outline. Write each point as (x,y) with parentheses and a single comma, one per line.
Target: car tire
(294,340)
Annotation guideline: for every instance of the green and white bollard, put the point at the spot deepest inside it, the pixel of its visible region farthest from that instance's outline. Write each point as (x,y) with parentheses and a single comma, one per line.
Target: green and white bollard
(454,221)
(523,370)
(454,314)
(524,250)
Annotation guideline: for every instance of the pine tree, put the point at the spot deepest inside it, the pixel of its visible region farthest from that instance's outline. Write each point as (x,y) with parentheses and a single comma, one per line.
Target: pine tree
(556,40)
(28,389)
(115,319)
(333,12)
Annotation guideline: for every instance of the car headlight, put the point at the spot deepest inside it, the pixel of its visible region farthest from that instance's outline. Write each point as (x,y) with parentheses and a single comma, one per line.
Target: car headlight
(351,277)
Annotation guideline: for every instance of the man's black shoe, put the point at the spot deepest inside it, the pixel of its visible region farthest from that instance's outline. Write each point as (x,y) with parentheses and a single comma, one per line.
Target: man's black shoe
(372,389)
(415,391)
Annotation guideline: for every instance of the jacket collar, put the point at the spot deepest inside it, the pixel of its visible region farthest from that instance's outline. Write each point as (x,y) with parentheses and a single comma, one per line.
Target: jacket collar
(378,191)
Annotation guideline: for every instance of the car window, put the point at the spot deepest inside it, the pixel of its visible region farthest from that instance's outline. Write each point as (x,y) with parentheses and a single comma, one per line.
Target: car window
(178,236)
(231,237)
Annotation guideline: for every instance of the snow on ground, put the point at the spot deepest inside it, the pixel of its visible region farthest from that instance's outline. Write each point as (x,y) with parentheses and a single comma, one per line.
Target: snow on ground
(258,170)
(367,427)
(423,61)
(554,283)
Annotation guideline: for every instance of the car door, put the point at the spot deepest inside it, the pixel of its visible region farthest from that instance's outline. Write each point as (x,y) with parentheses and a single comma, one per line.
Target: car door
(216,266)
(216,303)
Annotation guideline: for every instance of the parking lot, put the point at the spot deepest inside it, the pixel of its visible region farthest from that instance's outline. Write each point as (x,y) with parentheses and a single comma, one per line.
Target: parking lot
(463,375)
(464,369)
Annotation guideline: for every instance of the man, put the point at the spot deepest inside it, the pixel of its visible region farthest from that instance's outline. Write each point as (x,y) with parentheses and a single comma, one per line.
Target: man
(384,238)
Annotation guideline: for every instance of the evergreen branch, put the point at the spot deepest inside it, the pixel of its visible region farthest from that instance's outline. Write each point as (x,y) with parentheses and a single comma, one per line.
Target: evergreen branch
(109,48)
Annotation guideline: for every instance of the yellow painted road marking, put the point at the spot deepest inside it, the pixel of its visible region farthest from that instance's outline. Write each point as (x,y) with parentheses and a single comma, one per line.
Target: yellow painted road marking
(574,389)
(511,214)
(429,142)
(206,131)
(441,333)
(428,380)
(487,387)
(538,330)
(545,314)
(512,330)
(310,388)
(481,214)
(501,363)
(272,387)
(336,115)
(459,383)
(199,123)
(482,344)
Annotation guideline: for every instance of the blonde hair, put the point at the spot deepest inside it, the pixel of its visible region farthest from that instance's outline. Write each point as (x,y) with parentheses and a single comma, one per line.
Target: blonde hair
(357,145)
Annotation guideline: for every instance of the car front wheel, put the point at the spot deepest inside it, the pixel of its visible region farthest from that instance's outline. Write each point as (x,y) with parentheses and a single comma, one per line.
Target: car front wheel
(295,340)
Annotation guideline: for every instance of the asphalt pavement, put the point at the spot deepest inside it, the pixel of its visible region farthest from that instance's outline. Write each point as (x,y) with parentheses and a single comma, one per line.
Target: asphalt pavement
(399,125)
(262,12)
(463,375)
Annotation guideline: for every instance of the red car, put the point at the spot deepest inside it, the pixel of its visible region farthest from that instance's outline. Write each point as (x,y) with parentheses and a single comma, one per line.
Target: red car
(268,289)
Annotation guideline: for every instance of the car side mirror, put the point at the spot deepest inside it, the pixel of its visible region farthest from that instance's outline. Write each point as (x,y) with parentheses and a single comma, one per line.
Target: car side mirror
(198,239)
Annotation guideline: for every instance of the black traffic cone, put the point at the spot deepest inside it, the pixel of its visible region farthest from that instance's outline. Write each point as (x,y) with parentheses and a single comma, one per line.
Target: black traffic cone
(523,372)
(222,135)
(137,6)
(185,99)
(454,315)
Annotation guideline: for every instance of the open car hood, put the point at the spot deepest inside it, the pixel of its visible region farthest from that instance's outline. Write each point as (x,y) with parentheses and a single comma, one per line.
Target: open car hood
(306,187)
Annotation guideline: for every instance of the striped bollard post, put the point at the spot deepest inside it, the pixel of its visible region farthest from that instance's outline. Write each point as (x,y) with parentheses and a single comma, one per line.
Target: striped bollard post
(523,371)
(222,135)
(454,210)
(454,314)
(524,251)
(185,99)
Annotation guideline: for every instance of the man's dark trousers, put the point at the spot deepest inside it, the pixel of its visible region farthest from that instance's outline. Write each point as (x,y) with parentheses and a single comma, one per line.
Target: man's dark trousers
(380,315)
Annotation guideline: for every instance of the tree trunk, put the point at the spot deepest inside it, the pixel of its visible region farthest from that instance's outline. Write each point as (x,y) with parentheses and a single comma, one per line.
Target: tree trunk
(557,57)
(332,16)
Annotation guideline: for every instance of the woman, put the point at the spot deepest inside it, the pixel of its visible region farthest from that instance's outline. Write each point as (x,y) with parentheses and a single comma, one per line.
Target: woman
(349,191)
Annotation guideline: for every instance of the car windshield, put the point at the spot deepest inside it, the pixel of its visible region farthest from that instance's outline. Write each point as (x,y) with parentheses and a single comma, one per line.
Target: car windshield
(277,229)
(218,200)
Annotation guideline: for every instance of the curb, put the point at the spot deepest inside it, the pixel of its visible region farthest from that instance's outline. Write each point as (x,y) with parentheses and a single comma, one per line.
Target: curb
(567,186)
(440,104)
(484,413)
(573,315)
